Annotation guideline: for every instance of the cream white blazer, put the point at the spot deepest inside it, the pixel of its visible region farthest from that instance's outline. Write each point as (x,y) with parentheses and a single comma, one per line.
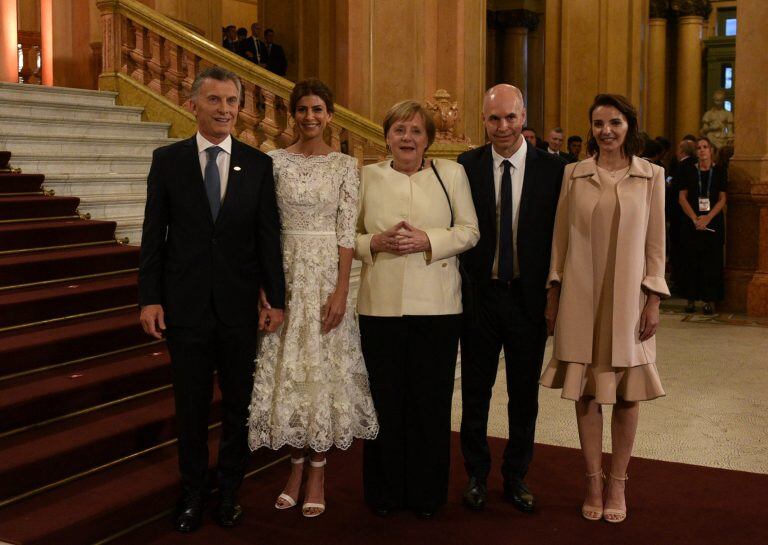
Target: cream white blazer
(421,283)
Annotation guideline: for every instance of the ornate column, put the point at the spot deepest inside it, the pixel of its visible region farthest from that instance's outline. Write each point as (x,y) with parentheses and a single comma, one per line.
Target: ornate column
(746,273)
(9,36)
(516,24)
(657,68)
(691,14)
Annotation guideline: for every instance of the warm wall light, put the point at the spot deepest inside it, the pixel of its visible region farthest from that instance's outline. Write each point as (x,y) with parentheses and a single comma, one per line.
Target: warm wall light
(9,40)
(46,40)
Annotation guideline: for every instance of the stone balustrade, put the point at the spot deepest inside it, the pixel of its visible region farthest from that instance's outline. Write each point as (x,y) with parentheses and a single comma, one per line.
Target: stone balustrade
(163,56)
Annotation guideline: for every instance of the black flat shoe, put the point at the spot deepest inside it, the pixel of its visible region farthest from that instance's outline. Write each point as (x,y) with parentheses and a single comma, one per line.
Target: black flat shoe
(707,309)
(476,494)
(382,511)
(519,496)
(690,308)
(189,513)
(228,513)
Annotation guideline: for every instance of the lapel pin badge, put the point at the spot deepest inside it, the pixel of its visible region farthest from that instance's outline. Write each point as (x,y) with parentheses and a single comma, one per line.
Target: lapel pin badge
(237,169)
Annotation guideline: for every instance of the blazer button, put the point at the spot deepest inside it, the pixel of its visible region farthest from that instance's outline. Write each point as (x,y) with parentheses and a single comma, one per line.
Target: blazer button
(445,264)
(213,241)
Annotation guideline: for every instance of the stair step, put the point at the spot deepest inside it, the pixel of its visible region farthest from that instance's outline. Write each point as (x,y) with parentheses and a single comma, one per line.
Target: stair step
(94,146)
(45,234)
(37,206)
(42,396)
(48,454)
(52,344)
(20,183)
(28,305)
(48,126)
(105,184)
(50,265)
(81,112)
(99,505)
(55,95)
(72,163)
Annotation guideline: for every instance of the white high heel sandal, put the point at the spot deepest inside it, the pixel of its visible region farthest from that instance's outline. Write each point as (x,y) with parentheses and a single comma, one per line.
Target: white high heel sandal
(307,506)
(288,501)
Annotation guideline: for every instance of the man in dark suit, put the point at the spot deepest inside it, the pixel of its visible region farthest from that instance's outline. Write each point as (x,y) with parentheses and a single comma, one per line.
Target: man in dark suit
(555,144)
(515,188)
(230,38)
(253,48)
(211,241)
(276,61)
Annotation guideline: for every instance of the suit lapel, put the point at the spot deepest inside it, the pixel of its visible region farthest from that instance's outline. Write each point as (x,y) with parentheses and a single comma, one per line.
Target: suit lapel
(488,189)
(192,175)
(529,188)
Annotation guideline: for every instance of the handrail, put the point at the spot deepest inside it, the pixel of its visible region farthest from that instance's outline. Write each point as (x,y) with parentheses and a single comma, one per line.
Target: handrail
(162,54)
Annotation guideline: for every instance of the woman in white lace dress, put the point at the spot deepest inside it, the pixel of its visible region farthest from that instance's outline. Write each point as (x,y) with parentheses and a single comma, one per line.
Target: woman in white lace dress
(311,388)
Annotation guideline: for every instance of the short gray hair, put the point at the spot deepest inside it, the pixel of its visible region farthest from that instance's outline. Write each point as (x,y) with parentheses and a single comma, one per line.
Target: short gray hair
(219,74)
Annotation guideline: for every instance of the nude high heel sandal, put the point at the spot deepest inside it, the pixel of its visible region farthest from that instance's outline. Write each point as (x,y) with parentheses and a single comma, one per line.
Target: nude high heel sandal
(284,501)
(616,515)
(592,512)
(311,510)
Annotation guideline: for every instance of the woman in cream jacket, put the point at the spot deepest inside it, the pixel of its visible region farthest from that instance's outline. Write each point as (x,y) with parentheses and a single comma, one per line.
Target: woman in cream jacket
(416,216)
(606,279)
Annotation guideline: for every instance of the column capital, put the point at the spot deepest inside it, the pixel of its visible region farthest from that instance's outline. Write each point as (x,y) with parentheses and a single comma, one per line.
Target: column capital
(659,9)
(513,18)
(683,8)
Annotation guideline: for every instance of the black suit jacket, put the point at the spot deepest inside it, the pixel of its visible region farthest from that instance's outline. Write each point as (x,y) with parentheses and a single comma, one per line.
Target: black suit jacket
(187,260)
(538,204)
(276,61)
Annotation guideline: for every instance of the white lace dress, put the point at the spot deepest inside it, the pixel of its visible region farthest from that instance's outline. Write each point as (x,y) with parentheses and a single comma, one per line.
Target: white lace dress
(311,390)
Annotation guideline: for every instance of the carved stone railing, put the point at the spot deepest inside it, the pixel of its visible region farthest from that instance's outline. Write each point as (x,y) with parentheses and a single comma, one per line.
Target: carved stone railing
(29,57)
(159,54)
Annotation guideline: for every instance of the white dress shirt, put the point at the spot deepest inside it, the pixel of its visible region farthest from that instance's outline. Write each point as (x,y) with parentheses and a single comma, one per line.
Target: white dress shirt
(222,159)
(517,172)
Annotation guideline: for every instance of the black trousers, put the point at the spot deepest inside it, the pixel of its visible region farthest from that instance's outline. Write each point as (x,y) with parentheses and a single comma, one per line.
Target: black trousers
(702,277)
(500,321)
(411,362)
(195,353)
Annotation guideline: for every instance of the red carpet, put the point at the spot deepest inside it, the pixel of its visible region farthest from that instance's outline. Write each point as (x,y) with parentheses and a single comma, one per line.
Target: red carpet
(669,503)
(87,435)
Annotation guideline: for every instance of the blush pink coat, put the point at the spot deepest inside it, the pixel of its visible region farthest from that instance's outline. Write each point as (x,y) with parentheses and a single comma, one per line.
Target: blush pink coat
(639,265)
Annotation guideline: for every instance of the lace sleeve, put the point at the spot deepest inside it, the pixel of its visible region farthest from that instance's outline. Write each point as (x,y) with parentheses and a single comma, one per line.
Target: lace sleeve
(346,213)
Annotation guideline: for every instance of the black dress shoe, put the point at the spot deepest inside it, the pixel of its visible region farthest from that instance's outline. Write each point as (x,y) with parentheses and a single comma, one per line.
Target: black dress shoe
(519,496)
(425,514)
(228,513)
(476,494)
(189,512)
(381,511)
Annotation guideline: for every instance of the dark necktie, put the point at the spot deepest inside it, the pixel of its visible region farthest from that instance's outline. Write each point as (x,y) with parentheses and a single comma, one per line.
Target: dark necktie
(213,181)
(505,224)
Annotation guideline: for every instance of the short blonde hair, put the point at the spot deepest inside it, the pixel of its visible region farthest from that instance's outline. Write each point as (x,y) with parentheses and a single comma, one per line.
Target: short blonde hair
(405,110)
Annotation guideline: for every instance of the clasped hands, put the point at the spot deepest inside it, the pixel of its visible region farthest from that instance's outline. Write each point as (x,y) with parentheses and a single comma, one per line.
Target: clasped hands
(401,239)
(701,222)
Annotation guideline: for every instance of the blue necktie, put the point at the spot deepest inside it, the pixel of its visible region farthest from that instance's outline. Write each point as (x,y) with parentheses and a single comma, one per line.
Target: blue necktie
(505,225)
(212,181)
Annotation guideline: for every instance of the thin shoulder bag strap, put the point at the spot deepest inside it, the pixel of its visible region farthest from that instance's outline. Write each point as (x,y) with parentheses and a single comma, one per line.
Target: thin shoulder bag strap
(439,179)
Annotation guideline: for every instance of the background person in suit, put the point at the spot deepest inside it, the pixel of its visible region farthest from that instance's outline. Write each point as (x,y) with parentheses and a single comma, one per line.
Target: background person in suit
(211,240)
(410,229)
(555,143)
(515,189)
(254,49)
(608,256)
(276,61)
(230,38)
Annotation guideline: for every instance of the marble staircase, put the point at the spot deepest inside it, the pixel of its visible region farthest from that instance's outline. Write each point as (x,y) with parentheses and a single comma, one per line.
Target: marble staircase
(86,146)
